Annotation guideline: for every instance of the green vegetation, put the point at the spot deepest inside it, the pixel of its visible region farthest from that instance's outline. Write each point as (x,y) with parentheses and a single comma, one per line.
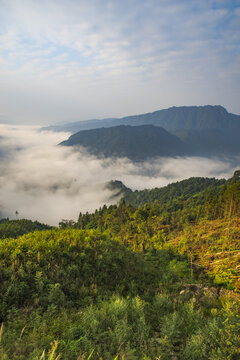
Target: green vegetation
(155,277)
(192,190)
(15,228)
(185,212)
(89,292)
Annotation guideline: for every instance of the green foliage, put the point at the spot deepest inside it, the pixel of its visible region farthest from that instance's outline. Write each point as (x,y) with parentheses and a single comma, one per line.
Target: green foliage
(68,267)
(126,282)
(15,228)
(226,203)
(179,216)
(183,202)
(88,292)
(175,193)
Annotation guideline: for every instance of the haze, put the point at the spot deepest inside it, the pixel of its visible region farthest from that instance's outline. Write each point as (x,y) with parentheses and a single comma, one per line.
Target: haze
(46,182)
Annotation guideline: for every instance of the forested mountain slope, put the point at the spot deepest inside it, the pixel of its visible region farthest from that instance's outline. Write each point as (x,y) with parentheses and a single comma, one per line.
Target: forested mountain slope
(136,143)
(15,228)
(180,191)
(148,141)
(177,212)
(154,281)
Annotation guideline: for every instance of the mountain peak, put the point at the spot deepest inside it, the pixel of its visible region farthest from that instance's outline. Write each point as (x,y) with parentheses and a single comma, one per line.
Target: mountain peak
(172,119)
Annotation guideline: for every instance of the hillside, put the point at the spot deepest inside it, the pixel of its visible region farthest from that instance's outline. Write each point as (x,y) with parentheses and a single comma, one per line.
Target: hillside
(180,213)
(197,187)
(85,295)
(215,246)
(136,143)
(155,277)
(210,142)
(148,141)
(172,119)
(16,228)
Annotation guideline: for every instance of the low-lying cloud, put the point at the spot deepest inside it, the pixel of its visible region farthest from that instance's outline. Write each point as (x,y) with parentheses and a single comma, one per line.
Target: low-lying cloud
(46,182)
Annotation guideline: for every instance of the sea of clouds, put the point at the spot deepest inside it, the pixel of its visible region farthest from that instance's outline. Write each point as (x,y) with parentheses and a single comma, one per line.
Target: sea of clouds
(46,182)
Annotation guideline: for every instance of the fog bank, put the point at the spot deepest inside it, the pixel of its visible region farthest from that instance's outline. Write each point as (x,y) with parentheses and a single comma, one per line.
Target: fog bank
(48,183)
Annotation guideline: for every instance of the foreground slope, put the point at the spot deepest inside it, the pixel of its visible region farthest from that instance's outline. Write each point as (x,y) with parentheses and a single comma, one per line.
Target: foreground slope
(93,295)
(143,282)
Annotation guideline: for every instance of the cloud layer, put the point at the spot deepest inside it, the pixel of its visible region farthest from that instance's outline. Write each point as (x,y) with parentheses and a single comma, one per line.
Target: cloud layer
(67,59)
(46,182)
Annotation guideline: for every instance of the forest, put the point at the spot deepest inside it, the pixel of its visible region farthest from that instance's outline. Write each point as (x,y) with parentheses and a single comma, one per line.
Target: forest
(154,277)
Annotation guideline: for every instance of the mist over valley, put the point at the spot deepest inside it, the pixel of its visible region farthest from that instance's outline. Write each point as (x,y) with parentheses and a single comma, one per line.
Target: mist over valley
(41,180)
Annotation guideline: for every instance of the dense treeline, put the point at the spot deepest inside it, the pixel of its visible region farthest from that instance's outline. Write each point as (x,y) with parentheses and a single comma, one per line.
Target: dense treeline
(15,228)
(226,203)
(181,191)
(176,204)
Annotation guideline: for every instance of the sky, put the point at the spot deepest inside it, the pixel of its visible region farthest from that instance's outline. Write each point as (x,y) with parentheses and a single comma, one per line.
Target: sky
(70,60)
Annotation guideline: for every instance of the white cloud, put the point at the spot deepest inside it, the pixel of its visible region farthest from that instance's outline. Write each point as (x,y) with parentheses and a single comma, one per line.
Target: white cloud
(46,182)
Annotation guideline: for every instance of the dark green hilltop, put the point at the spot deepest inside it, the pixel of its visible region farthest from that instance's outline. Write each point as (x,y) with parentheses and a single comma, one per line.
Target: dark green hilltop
(134,142)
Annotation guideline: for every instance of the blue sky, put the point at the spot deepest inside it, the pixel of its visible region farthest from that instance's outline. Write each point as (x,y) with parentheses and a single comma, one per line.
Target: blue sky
(69,60)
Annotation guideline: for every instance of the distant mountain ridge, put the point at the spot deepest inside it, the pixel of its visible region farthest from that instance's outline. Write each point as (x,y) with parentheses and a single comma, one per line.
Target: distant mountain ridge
(172,119)
(177,131)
